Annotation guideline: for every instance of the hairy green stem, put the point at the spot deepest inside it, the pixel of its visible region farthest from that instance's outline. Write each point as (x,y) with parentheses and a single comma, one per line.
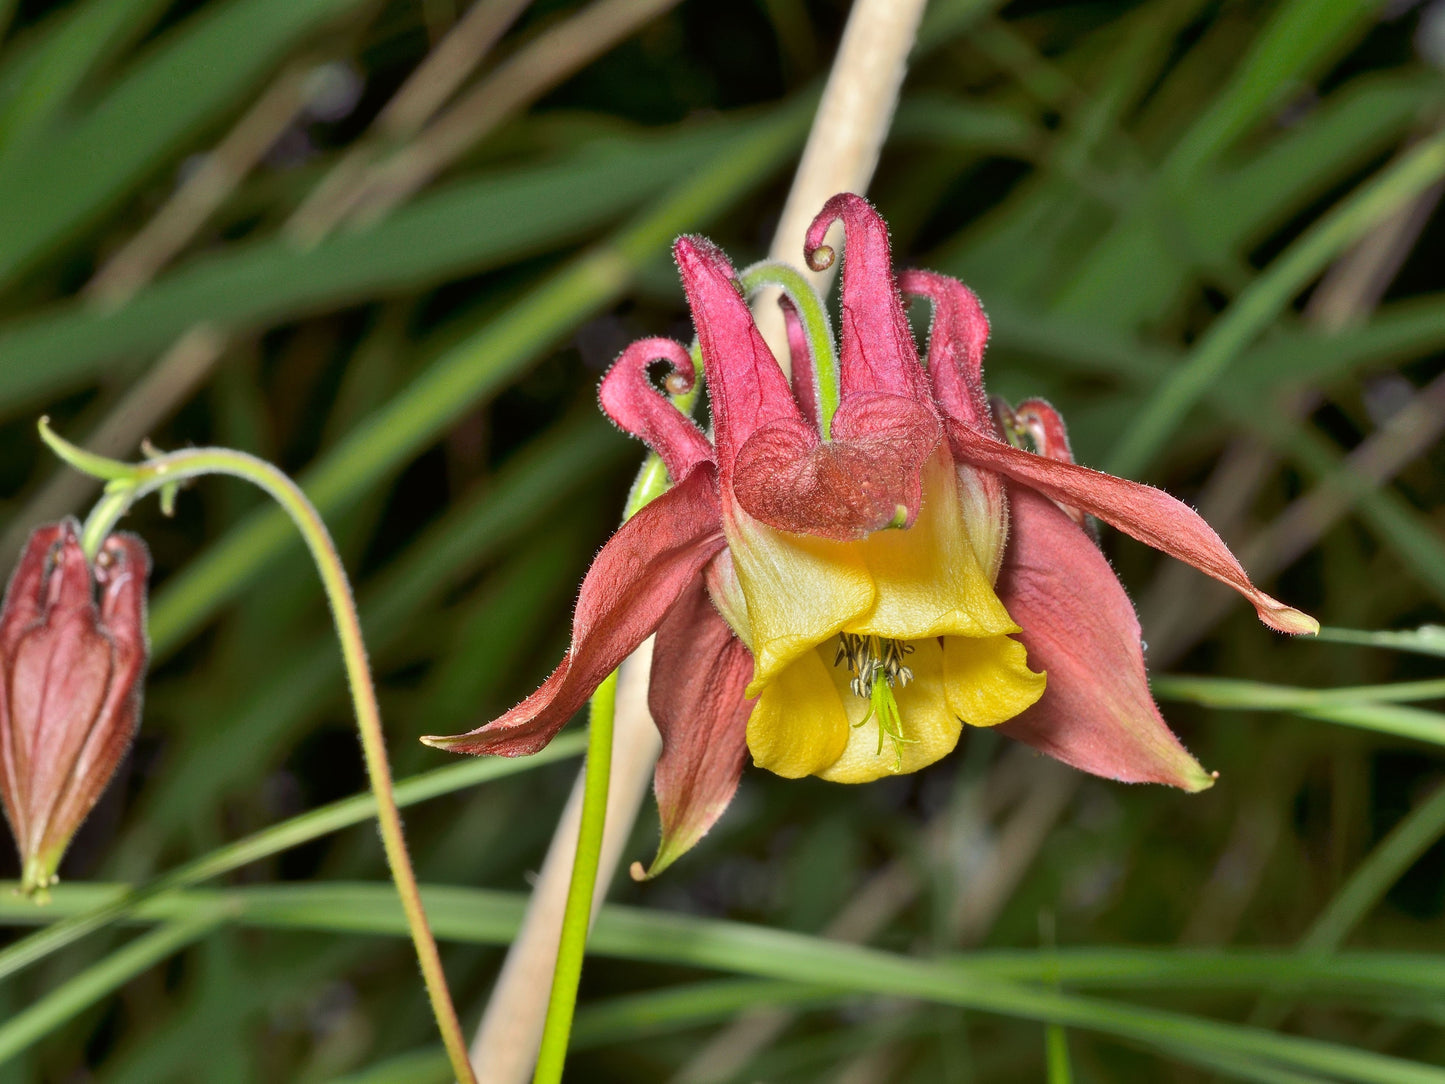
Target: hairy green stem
(652,481)
(577,918)
(817,329)
(163,473)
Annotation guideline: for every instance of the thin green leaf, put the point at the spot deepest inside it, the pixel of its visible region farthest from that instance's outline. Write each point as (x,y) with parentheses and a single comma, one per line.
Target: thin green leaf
(1233,693)
(1299,40)
(62,184)
(469,227)
(1415,724)
(1355,124)
(98,980)
(82,37)
(1266,297)
(1426,640)
(1382,867)
(492,917)
(118,904)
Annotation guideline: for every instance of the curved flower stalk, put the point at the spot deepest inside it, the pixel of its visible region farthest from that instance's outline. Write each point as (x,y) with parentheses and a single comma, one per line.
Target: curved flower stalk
(839,584)
(72,661)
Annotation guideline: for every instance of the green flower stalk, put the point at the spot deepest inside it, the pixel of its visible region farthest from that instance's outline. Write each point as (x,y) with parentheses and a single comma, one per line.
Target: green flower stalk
(127,483)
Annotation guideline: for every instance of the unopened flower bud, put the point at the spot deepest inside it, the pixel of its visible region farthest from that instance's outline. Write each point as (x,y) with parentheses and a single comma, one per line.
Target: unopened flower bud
(72,654)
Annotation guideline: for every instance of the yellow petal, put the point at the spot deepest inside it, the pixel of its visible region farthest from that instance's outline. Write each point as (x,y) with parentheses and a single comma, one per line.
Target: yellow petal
(800,591)
(931,730)
(988,678)
(928,578)
(798,726)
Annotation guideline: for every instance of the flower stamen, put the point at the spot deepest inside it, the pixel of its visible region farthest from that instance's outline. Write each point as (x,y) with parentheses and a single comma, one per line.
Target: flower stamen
(869,659)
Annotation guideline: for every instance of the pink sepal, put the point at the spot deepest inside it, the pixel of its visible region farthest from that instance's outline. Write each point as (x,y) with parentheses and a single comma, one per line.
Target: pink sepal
(876,352)
(651,560)
(1148,514)
(866,478)
(699,672)
(1096,713)
(746,387)
(956,341)
(630,399)
(1045,427)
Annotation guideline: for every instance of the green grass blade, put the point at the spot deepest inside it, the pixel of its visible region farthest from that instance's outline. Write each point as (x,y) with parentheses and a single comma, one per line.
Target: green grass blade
(1396,720)
(115,905)
(470,227)
(641,1016)
(1353,126)
(492,917)
(1246,1068)
(98,980)
(82,38)
(1398,332)
(483,916)
(1056,1055)
(1301,37)
(1426,640)
(1267,296)
(64,183)
(1382,867)
(1260,695)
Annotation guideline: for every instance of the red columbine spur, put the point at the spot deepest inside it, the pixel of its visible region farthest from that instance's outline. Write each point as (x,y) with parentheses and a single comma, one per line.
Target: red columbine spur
(858,564)
(71,690)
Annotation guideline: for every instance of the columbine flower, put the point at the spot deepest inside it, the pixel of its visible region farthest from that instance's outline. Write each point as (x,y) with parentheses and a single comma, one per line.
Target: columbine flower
(71,689)
(837,591)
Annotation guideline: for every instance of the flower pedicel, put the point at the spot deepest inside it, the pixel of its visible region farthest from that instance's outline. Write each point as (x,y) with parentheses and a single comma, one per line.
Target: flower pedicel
(839,583)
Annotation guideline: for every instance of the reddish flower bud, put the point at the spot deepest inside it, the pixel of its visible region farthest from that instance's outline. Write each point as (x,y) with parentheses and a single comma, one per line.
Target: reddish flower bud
(72,652)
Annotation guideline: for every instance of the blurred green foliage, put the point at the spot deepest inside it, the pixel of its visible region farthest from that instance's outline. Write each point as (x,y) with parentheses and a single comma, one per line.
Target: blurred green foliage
(1206,229)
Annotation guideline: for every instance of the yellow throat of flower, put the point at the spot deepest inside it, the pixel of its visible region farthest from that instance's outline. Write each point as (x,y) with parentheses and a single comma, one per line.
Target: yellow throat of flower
(830,623)
(877,665)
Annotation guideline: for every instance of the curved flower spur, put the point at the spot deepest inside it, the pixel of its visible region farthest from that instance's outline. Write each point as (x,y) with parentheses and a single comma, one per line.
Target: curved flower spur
(866,559)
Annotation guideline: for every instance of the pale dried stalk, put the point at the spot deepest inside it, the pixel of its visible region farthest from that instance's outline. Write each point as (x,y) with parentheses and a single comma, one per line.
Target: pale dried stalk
(515,84)
(211,184)
(877,40)
(425,91)
(847,136)
(169,382)
(505,1044)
